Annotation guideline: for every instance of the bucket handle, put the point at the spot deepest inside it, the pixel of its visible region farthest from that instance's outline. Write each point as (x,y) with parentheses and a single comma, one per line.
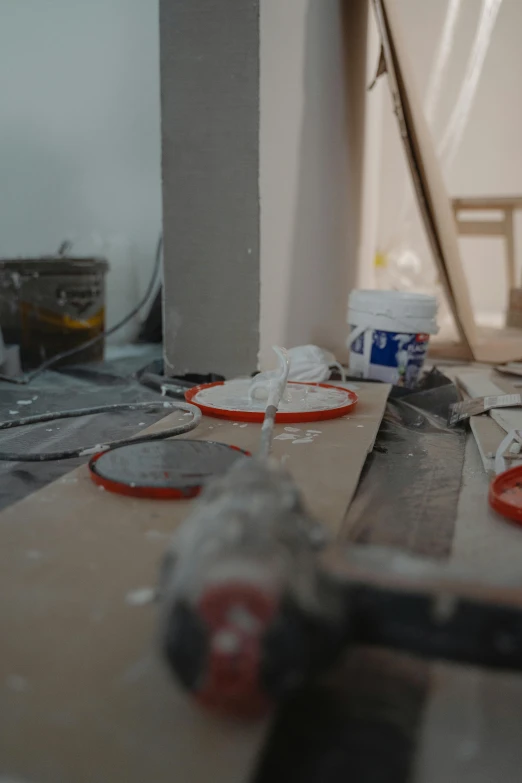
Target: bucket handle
(354,334)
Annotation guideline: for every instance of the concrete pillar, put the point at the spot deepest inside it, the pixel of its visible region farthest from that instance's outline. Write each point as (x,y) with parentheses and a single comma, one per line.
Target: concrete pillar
(210,141)
(263,113)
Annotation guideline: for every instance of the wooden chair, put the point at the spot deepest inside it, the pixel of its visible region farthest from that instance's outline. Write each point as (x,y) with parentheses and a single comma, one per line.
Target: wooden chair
(501,227)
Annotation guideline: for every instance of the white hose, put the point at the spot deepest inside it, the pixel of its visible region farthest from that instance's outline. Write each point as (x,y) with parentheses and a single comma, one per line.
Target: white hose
(276,388)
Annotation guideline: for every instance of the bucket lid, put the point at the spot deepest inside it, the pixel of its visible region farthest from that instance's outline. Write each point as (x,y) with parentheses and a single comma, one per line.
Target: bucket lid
(163,470)
(240,409)
(54,265)
(393,311)
(505,494)
(401,303)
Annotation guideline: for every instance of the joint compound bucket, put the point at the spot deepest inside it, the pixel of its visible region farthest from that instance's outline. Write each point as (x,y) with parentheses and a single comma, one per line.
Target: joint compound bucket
(50,305)
(389,334)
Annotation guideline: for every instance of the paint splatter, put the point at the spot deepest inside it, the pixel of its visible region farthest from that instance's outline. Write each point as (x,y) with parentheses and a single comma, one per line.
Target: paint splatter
(141,596)
(93,450)
(156,535)
(292,429)
(285,436)
(24,402)
(302,440)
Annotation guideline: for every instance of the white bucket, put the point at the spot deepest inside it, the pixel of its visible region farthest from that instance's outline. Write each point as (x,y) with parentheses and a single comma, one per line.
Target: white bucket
(389,334)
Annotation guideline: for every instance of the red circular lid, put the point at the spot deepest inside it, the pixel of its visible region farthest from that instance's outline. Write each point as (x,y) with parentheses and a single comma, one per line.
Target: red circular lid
(162,470)
(281,418)
(505,494)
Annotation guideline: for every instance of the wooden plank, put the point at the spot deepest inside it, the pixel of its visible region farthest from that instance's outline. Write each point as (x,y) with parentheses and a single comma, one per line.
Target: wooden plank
(513,368)
(469,730)
(488,436)
(486,203)
(447,349)
(482,228)
(435,206)
(493,346)
(85,695)
(479,384)
(511,264)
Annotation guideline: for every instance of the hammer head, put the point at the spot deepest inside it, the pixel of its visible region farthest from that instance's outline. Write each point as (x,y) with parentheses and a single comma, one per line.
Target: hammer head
(246,615)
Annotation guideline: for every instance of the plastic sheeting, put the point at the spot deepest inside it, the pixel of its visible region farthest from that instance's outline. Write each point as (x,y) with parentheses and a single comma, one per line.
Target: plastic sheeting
(74,388)
(409,491)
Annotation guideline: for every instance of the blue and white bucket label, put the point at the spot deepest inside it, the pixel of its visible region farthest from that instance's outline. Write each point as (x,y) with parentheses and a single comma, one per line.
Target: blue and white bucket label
(392,357)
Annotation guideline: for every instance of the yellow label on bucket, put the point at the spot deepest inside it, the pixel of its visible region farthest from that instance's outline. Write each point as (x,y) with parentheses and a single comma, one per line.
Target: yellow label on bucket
(62,320)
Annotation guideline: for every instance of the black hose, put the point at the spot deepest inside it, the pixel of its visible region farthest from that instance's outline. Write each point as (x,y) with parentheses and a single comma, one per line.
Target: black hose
(83,451)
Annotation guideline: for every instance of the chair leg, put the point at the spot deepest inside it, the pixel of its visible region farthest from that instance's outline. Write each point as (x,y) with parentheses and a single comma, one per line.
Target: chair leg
(510,248)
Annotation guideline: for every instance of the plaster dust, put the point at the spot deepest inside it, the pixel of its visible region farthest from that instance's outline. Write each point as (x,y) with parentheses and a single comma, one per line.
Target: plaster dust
(142,728)
(93,450)
(141,596)
(297,435)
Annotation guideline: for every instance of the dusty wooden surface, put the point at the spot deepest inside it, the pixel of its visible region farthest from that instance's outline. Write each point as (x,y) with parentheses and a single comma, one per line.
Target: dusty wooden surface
(85,697)
(84,694)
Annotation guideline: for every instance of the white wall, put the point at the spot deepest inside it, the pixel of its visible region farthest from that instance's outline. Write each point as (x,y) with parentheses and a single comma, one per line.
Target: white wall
(489,161)
(310,142)
(80,134)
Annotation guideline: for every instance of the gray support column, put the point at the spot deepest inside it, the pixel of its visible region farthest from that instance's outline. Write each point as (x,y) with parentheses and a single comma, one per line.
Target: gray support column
(210,140)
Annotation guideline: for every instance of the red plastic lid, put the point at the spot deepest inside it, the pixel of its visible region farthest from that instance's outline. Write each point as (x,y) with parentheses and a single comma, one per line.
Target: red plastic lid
(162,470)
(505,494)
(281,418)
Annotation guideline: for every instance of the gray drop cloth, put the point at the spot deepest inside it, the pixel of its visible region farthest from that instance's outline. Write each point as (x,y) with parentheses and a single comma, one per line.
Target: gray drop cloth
(108,383)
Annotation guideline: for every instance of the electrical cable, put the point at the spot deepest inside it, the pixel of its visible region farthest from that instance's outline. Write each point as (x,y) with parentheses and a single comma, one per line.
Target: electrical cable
(23,380)
(179,429)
